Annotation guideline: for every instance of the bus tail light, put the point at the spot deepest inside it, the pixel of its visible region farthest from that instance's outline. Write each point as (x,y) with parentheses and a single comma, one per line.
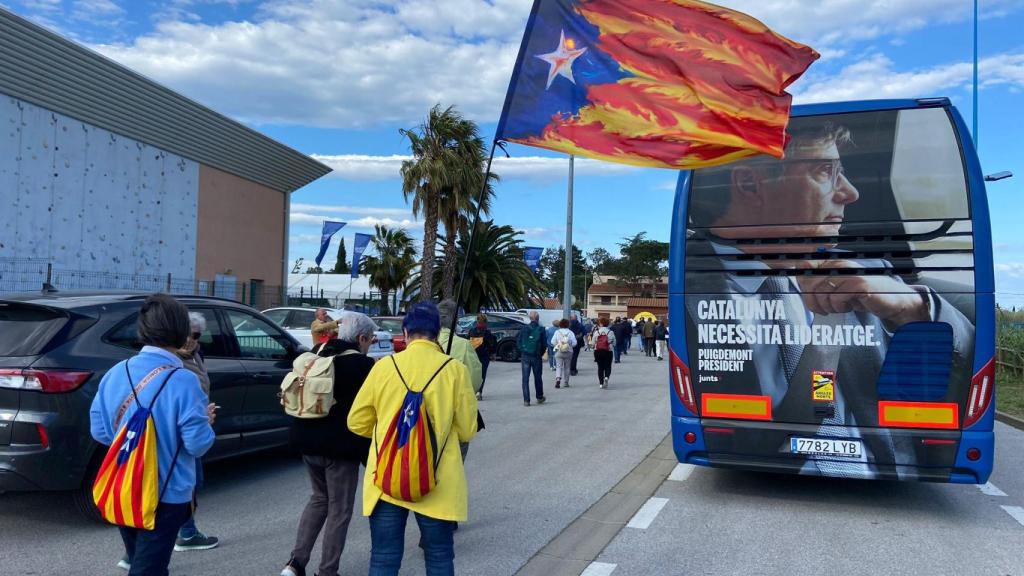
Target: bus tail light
(681,382)
(919,414)
(982,385)
(741,406)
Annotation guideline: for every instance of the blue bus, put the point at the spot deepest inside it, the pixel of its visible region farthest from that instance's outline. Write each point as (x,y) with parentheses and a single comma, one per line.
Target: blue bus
(833,312)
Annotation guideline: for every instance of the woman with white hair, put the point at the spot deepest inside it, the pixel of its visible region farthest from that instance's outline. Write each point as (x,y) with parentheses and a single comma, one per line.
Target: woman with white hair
(331,452)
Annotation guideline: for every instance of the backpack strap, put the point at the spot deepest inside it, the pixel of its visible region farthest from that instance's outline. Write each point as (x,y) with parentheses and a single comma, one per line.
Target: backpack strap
(136,390)
(402,378)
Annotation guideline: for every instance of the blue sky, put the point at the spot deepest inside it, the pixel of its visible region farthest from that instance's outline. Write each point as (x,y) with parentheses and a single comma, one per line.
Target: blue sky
(337,79)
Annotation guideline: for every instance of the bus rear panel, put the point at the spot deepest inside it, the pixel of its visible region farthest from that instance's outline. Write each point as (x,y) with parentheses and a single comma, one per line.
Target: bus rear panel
(833,312)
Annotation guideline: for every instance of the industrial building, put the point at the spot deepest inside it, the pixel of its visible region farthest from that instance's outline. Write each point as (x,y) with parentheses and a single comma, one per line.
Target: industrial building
(107,174)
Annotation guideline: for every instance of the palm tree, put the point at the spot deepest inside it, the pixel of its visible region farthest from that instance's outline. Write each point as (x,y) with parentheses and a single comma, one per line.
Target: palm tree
(443,176)
(497,276)
(393,263)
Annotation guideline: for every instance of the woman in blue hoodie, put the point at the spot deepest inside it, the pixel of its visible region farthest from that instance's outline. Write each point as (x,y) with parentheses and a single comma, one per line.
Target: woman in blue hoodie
(181,414)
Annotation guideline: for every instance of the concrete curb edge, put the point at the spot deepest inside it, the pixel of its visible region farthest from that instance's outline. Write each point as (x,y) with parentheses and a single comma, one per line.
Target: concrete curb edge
(1014,421)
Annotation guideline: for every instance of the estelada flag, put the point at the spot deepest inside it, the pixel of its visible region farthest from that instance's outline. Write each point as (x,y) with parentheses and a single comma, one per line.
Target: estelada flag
(665,83)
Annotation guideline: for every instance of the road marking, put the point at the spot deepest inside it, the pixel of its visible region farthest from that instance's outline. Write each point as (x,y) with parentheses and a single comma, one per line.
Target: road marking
(647,513)
(599,569)
(681,472)
(990,489)
(1016,511)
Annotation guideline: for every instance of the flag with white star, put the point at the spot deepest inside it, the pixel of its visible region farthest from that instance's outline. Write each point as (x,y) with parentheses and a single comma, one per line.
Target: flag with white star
(676,84)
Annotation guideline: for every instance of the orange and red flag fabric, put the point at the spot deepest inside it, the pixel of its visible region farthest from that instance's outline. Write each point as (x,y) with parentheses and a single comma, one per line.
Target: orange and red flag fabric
(676,84)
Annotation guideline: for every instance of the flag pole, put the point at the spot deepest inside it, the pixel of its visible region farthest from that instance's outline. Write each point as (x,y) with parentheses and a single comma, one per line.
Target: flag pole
(567,288)
(975,114)
(469,249)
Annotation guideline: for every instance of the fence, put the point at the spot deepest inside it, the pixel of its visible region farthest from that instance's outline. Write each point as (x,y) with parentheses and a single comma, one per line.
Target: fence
(32,275)
(1010,360)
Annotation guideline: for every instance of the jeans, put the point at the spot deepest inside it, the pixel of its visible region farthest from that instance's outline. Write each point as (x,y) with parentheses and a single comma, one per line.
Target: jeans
(189,529)
(534,364)
(618,351)
(551,357)
(604,364)
(387,537)
(485,361)
(149,551)
(329,509)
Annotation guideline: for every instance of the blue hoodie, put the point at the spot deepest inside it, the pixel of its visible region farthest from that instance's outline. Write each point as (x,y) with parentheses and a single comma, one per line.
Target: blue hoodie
(179,415)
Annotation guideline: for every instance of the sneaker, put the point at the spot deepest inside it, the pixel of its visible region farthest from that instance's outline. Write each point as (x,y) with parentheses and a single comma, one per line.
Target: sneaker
(566,385)
(605,385)
(527,403)
(479,395)
(291,569)
(123,563)
(198,542)
(541,400)
(558,383)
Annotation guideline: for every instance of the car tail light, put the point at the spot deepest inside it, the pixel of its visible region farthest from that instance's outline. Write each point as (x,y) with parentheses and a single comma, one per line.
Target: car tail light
(44,438)
(982,385)
(48,381)
(681,382)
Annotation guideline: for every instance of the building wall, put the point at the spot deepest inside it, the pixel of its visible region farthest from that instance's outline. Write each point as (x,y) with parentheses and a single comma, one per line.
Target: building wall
(83,198)
(240,228)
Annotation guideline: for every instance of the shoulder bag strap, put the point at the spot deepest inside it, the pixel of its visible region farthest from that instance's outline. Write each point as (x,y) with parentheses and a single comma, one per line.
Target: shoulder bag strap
(136,390)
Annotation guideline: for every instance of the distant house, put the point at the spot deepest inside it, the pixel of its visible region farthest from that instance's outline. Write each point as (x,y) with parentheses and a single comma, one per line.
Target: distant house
(610,297)
(108,174)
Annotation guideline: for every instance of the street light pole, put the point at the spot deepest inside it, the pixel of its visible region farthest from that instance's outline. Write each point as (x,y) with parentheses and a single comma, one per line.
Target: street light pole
(567,288)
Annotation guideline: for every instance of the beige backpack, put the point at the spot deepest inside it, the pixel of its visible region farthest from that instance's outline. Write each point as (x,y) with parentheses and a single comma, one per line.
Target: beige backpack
(308,390)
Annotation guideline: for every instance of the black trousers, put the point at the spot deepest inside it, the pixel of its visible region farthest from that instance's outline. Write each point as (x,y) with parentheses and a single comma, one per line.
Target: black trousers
(149,551)
(604,364)
(576,354)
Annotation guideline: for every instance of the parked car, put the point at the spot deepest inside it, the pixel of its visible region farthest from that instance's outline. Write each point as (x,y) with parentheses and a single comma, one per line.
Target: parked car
(297,320)
(393,324)
(504,326)
(55,348)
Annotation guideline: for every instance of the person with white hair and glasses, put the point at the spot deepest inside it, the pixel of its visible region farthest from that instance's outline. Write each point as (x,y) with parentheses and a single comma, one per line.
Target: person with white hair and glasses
(331,452)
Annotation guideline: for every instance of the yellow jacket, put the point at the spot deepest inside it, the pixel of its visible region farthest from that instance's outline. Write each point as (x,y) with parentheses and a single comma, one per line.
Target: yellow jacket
(463,351)
(451,406)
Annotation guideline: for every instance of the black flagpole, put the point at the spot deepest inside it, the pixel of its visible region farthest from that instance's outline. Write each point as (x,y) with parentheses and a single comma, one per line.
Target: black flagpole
(469,247)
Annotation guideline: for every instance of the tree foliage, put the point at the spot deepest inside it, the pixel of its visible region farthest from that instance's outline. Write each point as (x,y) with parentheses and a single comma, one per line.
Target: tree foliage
(341,266)
(392,263)
(552,271)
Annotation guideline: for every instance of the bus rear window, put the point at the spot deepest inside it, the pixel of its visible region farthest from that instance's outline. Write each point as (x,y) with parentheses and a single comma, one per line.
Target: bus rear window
(884,166)
(25,330)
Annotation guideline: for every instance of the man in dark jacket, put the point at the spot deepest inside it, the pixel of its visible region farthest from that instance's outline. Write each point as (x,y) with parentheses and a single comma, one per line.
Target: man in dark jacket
(531,349)
(331,452)
(580,332)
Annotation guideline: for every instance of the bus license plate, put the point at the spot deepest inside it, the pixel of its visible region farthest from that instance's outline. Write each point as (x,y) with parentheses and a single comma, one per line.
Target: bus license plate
(827,447)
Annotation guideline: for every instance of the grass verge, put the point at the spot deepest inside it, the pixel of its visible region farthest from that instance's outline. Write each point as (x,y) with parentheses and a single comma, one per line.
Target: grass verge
(1010,393)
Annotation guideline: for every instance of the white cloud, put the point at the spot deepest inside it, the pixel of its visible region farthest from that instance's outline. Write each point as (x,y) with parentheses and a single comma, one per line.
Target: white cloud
(1012,269)
(299,218)
(875,77)
(366,210)
(361,167)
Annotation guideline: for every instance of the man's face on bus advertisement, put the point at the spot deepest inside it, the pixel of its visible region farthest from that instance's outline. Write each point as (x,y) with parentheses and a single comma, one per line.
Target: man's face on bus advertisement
(807,188)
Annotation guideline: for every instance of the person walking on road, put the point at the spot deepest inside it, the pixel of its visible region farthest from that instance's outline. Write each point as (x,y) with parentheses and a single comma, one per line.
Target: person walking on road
(603,341)
(449,403)
(483,340)
(331,452)
(547,339)
(565,344)
(623,333)
(638,332)
(182,416)
(580,332)
(649,338)
(660,338)
(531,348)
(190,537)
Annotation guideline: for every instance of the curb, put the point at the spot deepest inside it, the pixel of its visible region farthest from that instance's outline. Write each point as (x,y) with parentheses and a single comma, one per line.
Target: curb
(582,541)
(1005,418)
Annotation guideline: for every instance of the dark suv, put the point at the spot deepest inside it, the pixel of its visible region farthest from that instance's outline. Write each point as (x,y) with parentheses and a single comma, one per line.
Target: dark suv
(55,348)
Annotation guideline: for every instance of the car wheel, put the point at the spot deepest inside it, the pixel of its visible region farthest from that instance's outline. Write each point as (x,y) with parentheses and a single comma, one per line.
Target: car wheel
(509,352)
(82,497)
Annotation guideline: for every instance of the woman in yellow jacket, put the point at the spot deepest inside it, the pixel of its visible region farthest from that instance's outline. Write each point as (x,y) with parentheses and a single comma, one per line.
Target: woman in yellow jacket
(451,406)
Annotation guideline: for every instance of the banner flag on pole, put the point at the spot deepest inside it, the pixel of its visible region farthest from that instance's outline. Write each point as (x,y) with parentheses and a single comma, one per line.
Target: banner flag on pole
(678,84)
(532,256)
(361,242)
(330,228)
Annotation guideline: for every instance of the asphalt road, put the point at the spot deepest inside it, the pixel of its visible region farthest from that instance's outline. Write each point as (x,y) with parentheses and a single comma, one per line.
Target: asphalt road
(730,522)
(531,472)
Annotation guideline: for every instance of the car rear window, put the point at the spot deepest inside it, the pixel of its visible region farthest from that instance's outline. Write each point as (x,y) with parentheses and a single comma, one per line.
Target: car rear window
(25,329)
